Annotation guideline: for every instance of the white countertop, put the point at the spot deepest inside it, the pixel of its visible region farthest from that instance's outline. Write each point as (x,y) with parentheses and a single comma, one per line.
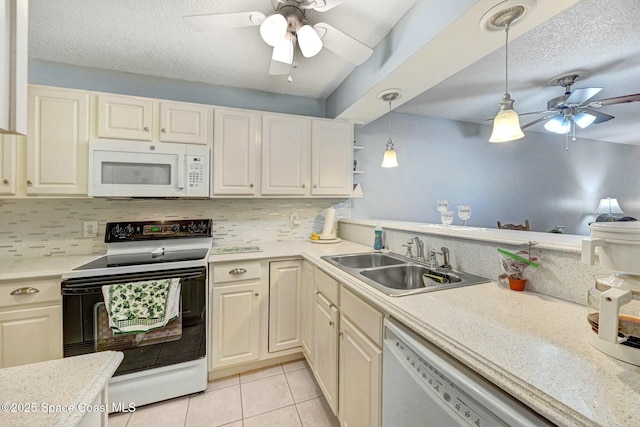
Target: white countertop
(56,392)
(41,267)
(533,346)
(560,242)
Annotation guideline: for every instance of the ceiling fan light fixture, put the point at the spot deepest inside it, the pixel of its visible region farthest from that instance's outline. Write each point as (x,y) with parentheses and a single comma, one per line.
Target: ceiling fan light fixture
(558,124)
(274,29)
(506,124)
(583,119)
(309,41)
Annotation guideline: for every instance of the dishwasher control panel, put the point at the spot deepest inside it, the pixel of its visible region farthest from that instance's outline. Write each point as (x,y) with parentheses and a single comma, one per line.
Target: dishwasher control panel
(446,391)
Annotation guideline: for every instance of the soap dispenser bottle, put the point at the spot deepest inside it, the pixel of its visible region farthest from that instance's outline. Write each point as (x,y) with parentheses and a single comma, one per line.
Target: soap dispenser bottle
(377,242)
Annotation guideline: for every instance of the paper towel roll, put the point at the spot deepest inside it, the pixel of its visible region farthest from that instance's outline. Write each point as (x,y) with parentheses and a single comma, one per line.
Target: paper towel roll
(328,230)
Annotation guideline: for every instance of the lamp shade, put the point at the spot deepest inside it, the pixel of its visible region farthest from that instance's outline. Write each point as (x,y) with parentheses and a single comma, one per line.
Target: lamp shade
(584,119)
(506,126)
(273,29)
(558,124)
(390,160)
(309,41)
(609,206)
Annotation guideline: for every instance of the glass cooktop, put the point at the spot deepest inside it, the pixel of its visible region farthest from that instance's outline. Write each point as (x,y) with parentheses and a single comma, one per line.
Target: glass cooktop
(119,260)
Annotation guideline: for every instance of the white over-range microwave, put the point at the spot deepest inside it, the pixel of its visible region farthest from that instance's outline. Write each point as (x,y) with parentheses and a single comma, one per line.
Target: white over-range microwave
(119,168)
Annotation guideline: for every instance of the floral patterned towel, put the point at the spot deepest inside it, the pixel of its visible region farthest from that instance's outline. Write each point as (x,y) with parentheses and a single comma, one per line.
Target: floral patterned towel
(141,306)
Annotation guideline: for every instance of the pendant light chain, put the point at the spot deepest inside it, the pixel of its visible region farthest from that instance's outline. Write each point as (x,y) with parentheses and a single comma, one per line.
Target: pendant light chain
(390,121)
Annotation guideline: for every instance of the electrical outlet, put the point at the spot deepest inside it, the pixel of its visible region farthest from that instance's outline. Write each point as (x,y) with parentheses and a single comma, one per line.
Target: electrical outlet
(293,219)
(90,229)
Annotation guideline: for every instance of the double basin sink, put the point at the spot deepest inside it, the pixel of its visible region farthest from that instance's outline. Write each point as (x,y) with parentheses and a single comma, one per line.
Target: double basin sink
(396,275)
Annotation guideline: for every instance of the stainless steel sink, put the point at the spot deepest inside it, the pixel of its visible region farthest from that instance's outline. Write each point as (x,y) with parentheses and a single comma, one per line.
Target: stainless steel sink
(396,275)
(368,260)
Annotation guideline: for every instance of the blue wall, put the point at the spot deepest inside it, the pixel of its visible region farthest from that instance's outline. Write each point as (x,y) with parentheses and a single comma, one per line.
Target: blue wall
(76,77)
(533,178)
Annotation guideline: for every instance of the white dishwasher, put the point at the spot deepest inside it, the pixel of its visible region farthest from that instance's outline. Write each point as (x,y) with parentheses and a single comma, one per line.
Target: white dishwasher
(423,386)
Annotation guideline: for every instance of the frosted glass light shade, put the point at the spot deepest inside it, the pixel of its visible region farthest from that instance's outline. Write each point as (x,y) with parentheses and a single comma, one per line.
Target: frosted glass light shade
(273,29)
(558,124)
(584,119)
(506,126)
(309,41)
(608,206)
(389,160)
(283,51)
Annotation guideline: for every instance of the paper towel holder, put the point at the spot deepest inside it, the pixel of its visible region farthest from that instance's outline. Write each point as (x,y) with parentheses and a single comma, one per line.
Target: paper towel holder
(329,229)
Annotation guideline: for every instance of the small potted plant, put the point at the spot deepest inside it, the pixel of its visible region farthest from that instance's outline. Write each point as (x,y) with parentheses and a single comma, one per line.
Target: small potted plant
(514,266)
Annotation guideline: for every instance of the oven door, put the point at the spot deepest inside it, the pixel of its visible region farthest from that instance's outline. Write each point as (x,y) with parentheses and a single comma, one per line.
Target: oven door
(87,326)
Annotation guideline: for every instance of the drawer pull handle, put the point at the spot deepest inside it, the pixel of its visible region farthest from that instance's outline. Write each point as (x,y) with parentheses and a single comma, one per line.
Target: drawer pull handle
(238,271)
(331,323)
(257,294)
(25,291)
(331,306)
(5,181)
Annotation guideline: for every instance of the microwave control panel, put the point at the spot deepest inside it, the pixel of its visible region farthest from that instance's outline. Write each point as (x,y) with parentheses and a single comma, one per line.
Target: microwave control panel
(195,172)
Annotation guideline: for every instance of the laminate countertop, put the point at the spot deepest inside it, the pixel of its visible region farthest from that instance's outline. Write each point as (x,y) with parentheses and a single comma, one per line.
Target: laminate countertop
(56,392)
(533,346)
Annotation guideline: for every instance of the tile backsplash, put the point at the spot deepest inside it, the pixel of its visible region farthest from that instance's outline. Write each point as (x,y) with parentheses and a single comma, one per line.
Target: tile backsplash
(53,227)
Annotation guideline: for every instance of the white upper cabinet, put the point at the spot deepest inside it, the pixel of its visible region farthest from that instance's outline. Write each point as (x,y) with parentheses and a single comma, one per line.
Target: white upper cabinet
(125,117)
(286,143)
(57,142)
(235,152)
(331,158)
(13,66)
(184,122)
(8,165)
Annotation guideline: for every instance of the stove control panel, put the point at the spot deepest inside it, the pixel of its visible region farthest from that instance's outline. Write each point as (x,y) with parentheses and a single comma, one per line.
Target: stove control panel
(151,230)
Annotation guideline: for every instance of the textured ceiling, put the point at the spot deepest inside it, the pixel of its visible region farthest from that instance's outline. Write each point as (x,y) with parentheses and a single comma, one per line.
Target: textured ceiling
(149,37)
(601,37)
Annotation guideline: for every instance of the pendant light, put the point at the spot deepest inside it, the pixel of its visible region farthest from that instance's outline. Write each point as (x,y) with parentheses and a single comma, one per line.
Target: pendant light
(506,124)
(389,160)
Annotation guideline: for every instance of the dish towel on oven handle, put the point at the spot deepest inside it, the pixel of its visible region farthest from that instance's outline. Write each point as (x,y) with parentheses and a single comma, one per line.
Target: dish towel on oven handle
(136,307)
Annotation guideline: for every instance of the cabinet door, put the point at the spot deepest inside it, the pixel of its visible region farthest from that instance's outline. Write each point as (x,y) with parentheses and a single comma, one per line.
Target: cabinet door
(8,171)
(236,324)
(359,389)
(183,122)
(285,305)
(30,335)
(326,349)
(57,141)
(308,303)
(235,145)
(125,117)
(331,158)
(285,155)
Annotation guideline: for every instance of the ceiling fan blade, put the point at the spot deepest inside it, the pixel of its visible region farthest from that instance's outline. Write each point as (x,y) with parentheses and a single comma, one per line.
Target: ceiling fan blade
(600,117)
(541,119)
(537,112)
(324,5)
(224,20)
(617,100)
(579,96)
(278,68)
(342,44)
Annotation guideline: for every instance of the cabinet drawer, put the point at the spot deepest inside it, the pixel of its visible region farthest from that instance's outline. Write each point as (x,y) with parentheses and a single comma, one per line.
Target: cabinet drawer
(326,285)
(29,292)
(365,317)
(236,271)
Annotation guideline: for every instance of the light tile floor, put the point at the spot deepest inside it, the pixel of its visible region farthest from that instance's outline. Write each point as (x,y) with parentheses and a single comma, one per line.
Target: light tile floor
(283,395)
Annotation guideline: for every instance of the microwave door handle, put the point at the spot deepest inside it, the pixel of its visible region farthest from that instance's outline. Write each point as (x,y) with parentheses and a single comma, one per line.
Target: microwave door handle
(182,159)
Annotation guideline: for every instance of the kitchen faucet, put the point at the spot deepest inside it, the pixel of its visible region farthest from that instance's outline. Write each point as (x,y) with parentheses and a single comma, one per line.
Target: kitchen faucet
(433,259)
(419,248)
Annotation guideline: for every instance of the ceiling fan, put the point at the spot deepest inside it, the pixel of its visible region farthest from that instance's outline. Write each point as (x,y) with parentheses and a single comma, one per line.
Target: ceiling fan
(286,29)
(564,112)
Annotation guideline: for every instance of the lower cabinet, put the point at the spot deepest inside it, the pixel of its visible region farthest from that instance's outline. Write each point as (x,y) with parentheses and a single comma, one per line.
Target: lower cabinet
(236,324)
(285,305)
(326,349)
(308,304)
(30,322)
(359,388)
